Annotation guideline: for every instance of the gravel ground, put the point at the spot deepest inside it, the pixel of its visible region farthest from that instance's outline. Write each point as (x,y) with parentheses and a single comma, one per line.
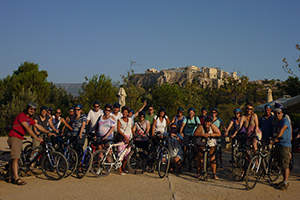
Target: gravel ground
(148,186)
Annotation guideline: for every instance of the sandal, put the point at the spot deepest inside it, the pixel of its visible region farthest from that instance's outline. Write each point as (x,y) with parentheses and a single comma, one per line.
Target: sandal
(19,182)
(215,177)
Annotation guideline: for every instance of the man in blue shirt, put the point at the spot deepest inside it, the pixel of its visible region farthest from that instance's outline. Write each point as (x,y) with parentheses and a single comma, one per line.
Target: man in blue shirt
(282,133)
(266,125)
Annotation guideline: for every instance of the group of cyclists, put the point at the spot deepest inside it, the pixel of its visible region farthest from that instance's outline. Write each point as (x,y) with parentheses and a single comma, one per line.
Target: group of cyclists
(121,124)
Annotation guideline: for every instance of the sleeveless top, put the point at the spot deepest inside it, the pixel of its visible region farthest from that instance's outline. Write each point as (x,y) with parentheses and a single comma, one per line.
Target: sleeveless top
(161,126)
(44,123)
(210,141)
(126,127)
(179,121)
(56,123)
(250,126)
(236,126)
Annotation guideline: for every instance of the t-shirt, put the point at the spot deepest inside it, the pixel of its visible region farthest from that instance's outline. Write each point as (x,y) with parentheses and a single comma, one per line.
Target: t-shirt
(117,117)
(179,121)
(76,125)
(175,147)
(286,137)
(104,126)
(190,125)
(44,123)
(93,117)
(21,117)
(150,118)
(138,126)
(266,126)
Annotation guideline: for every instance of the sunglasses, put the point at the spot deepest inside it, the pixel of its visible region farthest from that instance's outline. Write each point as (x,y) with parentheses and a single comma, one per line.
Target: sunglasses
(77,109)
(213,112)
(278,113)
(58,112)
(108,110)
(237,113)
(32,109)
(97,106)
(249,108)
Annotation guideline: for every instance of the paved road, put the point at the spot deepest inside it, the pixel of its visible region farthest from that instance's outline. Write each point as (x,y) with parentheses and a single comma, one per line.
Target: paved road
(148,186)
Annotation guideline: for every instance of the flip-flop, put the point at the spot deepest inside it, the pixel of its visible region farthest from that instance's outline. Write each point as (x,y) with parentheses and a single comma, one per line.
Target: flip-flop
(19,182)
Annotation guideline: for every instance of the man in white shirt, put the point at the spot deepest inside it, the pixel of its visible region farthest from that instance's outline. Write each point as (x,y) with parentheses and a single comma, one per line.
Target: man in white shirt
(93,116)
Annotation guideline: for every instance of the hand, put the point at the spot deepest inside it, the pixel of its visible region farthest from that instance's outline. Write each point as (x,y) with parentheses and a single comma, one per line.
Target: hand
(206,135)
(57,131)
(40,140)
(298,136)
(226,134)
(38,133)
(173,135)
(80,136)
(233,136)
(143,135)
(126,140)
(276,140)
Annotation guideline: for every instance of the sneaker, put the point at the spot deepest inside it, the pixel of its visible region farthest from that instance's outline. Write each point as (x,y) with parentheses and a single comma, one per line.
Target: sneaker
(98,171)
(279,184)
(284,186)
(122,174)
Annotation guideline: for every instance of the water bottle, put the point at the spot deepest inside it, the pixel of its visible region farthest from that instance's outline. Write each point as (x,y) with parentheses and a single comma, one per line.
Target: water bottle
(33,156)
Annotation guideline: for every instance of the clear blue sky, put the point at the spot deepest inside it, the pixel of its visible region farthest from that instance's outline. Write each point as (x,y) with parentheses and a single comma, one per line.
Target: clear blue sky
(73,39)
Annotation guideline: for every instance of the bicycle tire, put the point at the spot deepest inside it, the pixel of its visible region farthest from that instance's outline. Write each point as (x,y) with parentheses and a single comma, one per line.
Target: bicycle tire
(205,164)
(239,165)
(137,161)
(4,164)
(84,165)
(72,159)
(274,171)
(56,170)
(252,174)
(101,165)
(163,163)
(190,158)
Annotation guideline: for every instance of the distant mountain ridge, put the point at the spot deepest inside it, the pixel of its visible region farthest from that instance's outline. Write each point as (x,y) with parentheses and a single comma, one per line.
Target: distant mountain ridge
(72,88)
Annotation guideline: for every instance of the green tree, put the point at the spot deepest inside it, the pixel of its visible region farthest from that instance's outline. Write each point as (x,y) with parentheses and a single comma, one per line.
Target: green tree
(99,87)
(18,103)
(291,86)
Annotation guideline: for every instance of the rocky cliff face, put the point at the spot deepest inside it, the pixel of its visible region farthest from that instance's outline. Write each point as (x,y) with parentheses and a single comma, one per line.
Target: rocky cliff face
(206,77)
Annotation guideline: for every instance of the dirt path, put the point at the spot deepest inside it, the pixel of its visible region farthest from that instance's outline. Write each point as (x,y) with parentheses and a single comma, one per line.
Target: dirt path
(147,186)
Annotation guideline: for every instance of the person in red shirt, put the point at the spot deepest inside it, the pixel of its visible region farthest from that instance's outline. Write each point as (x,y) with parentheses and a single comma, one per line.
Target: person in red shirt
(21,125)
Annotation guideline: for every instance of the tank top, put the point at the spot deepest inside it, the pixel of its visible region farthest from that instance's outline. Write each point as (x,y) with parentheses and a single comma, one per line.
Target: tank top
(179,121)
(56,123)
(126,127)
(210,141)
(161,126)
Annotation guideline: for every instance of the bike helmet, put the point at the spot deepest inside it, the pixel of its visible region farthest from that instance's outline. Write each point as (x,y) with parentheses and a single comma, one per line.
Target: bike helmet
(180,109)
(131,110)
(117,105)
(162,109)
(44,108)
(208,118)
(72,108)
(191,109)
(174,123)
(96,102)
(237,110)
(32,104)
(142,113)
(278,105)
(214,109)
(267,106)
(78,105)
(108,105)
(203,108)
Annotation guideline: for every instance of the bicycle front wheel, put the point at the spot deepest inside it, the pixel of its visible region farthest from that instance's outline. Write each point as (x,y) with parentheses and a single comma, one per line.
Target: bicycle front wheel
(101,165)
(239,166)
(4,164)
(84,165)
(205,164)
(252,173)
(163,163)
(72,159)
(54,165)
(274,170)
(137,161)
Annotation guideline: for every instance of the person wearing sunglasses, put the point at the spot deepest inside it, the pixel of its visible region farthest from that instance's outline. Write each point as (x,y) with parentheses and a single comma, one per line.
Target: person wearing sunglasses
(57,120)
(266,125)
(250,122)
(20,126)
(93,116)
(283,136)
(69,119)
(78,129)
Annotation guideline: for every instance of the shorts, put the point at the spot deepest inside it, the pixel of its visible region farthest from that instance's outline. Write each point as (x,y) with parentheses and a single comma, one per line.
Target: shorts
(283,156)
(15,145)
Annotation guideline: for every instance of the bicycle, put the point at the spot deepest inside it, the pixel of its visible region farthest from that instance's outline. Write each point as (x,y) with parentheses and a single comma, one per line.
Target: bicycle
(4,165)
(262,165)
(137,160)
(190,153)
(53,164)
(69,153)
(85,164)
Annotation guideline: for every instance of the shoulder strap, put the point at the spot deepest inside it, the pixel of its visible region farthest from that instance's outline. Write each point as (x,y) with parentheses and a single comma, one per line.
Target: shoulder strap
(140,126)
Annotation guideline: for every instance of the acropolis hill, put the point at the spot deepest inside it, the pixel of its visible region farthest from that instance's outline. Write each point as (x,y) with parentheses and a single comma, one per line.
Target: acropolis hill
(204,76)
